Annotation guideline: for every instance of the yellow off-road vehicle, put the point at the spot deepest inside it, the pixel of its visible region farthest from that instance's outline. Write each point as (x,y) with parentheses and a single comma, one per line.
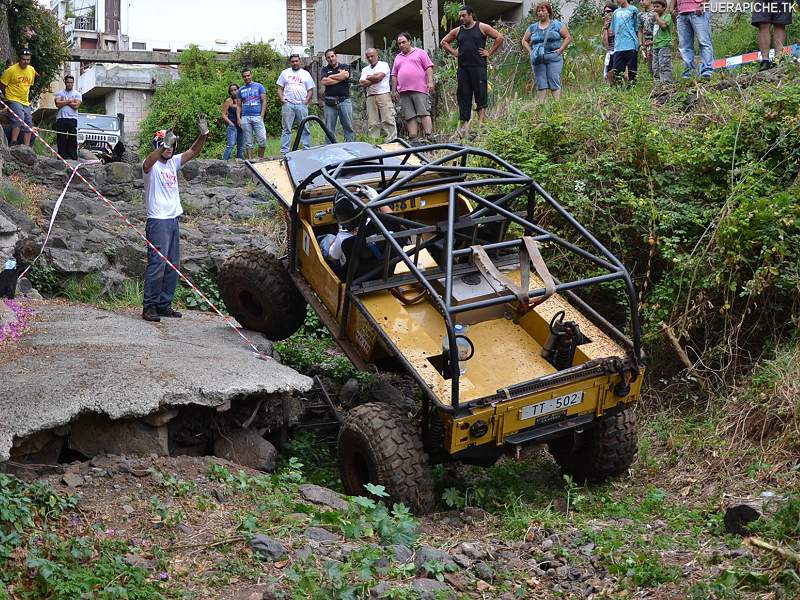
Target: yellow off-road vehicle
(453,285)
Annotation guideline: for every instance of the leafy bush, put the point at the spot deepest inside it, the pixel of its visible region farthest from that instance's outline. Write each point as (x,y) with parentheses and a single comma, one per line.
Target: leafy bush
(36,27)
(698,198)
(203,87)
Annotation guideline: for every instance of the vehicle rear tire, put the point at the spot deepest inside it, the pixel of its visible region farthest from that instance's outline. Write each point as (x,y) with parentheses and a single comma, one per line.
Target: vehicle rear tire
(259,293)
(606,450)
(378,444)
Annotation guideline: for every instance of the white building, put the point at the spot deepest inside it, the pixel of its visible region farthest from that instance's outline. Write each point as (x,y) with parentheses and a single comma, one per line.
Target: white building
(168,25)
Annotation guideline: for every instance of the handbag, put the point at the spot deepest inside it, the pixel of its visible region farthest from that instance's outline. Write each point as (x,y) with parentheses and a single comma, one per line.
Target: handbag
(537,54)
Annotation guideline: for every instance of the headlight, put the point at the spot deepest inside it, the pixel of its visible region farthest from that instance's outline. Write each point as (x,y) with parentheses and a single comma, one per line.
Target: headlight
(81,138)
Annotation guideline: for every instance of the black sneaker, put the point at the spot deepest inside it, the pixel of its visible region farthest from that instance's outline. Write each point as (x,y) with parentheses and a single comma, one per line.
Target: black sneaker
(168,312)
(765,65)
(149,314)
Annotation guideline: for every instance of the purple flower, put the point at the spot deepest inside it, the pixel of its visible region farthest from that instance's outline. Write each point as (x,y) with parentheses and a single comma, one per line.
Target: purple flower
(163,576)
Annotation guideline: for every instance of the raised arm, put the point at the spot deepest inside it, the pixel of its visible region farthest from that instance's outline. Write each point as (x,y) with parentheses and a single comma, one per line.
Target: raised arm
(195,150)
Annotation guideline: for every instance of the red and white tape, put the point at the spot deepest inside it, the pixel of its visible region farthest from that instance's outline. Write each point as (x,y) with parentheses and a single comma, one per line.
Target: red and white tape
(184,278)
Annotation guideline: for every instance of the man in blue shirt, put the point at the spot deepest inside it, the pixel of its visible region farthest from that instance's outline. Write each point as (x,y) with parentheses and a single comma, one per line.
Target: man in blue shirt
(625,25)
(251,104)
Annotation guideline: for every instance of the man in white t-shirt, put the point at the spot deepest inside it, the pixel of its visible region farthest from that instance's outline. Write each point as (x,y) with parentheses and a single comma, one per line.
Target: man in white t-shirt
(295,88)
(160,172)
(68,101)
(380,108)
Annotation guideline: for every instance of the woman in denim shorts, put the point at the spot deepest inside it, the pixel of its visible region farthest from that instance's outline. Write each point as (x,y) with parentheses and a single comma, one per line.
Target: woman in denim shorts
(545,41)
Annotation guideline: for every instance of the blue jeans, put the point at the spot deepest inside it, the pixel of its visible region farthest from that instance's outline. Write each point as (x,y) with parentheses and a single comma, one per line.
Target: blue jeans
(235,136)
(547,72)
(690,26)
(344,112)
(160,280)
(253,126)
(291,115)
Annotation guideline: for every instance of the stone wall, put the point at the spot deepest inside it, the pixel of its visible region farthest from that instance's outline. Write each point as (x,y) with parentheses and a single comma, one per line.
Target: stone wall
(222,214)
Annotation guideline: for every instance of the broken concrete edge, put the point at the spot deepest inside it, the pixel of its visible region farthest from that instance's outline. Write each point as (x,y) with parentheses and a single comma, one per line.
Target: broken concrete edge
(170,403)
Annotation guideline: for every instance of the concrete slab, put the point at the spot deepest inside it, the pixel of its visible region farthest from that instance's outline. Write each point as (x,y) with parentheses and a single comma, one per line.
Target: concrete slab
(79,359)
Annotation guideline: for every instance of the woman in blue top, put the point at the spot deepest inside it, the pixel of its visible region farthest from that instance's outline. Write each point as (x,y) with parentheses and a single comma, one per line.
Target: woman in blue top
(545,42)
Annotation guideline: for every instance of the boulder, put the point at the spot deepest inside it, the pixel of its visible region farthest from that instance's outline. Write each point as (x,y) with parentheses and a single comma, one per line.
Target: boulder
(430,589)
(130,258)
(217,168)
(71,261)
(190,170)
(316,494)
(51,170)
(95,434)
(118,172)
(23,155)
(426,556)
(248,449)
(268,548)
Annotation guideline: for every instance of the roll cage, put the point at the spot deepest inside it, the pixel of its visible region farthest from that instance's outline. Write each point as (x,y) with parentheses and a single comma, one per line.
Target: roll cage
(398,180)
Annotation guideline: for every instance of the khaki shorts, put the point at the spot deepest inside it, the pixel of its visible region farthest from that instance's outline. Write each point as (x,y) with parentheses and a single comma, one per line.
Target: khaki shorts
(414,104)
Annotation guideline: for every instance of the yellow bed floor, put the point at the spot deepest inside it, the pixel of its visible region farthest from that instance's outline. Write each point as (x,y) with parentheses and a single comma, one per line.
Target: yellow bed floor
(504,352)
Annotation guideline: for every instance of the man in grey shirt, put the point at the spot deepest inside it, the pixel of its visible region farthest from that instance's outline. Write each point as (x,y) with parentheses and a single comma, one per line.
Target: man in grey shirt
(67,102)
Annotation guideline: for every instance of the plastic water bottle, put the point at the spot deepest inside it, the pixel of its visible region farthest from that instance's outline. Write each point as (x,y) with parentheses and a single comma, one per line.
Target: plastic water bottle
(464,346)
(11,263)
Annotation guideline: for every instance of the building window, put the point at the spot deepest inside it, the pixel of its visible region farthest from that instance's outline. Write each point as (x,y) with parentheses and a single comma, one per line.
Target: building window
(138,46)
(300,22)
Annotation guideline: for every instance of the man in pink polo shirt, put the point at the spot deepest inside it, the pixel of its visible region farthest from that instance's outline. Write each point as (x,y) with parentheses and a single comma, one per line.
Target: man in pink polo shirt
(412,80)
(694,21)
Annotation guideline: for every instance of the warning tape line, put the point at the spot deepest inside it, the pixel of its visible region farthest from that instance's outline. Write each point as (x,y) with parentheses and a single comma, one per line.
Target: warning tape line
(750,57)
(150,244)
(56,208)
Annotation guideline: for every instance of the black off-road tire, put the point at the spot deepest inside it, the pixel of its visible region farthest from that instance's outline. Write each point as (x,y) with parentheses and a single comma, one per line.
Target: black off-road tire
(378,444)
(606,450)
(260,294)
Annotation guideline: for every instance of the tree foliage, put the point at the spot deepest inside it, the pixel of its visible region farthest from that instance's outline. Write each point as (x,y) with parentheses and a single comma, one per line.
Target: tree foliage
(700,198)
(203,87)
(36,28)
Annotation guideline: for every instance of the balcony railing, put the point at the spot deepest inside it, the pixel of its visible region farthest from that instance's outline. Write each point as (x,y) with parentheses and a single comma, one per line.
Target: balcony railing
(86,23)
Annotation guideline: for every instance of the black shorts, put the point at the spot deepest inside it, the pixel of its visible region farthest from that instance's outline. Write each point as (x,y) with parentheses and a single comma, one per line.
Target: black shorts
(471,83)
(772,12)
(622,59)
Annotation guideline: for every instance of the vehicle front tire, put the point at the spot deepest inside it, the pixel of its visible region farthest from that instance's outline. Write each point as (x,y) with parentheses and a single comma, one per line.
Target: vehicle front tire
(606,450)
(259,293)
(378,444)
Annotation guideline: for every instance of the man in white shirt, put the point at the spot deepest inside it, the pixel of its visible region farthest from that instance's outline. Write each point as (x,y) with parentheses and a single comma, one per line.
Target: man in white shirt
(67,102)
(295,88)
(160,172)
(380,108)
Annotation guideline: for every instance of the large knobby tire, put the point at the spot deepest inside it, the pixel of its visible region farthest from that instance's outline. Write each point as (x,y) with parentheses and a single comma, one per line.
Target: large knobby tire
(378,444)
(260,294)
(607,449)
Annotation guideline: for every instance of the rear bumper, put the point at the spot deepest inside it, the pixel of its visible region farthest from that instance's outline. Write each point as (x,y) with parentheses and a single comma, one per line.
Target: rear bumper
(507,422)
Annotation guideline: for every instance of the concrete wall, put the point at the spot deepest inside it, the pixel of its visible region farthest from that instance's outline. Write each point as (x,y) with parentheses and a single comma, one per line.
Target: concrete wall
(133,104)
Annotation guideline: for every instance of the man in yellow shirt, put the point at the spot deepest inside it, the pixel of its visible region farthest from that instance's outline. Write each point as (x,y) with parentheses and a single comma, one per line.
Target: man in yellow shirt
(15,84)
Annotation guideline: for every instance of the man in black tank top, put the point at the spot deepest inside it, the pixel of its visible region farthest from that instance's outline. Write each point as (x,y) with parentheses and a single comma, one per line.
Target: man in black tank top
(472,58)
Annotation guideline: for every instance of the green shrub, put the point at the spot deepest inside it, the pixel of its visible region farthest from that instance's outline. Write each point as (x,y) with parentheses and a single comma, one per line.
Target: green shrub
(34,26)
(700,204)
(202,88)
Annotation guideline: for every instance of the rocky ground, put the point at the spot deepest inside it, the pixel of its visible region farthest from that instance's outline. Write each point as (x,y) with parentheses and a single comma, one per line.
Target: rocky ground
(205,528)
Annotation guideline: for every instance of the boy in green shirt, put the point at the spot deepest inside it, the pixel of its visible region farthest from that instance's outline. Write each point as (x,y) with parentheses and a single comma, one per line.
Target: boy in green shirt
(662,43)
